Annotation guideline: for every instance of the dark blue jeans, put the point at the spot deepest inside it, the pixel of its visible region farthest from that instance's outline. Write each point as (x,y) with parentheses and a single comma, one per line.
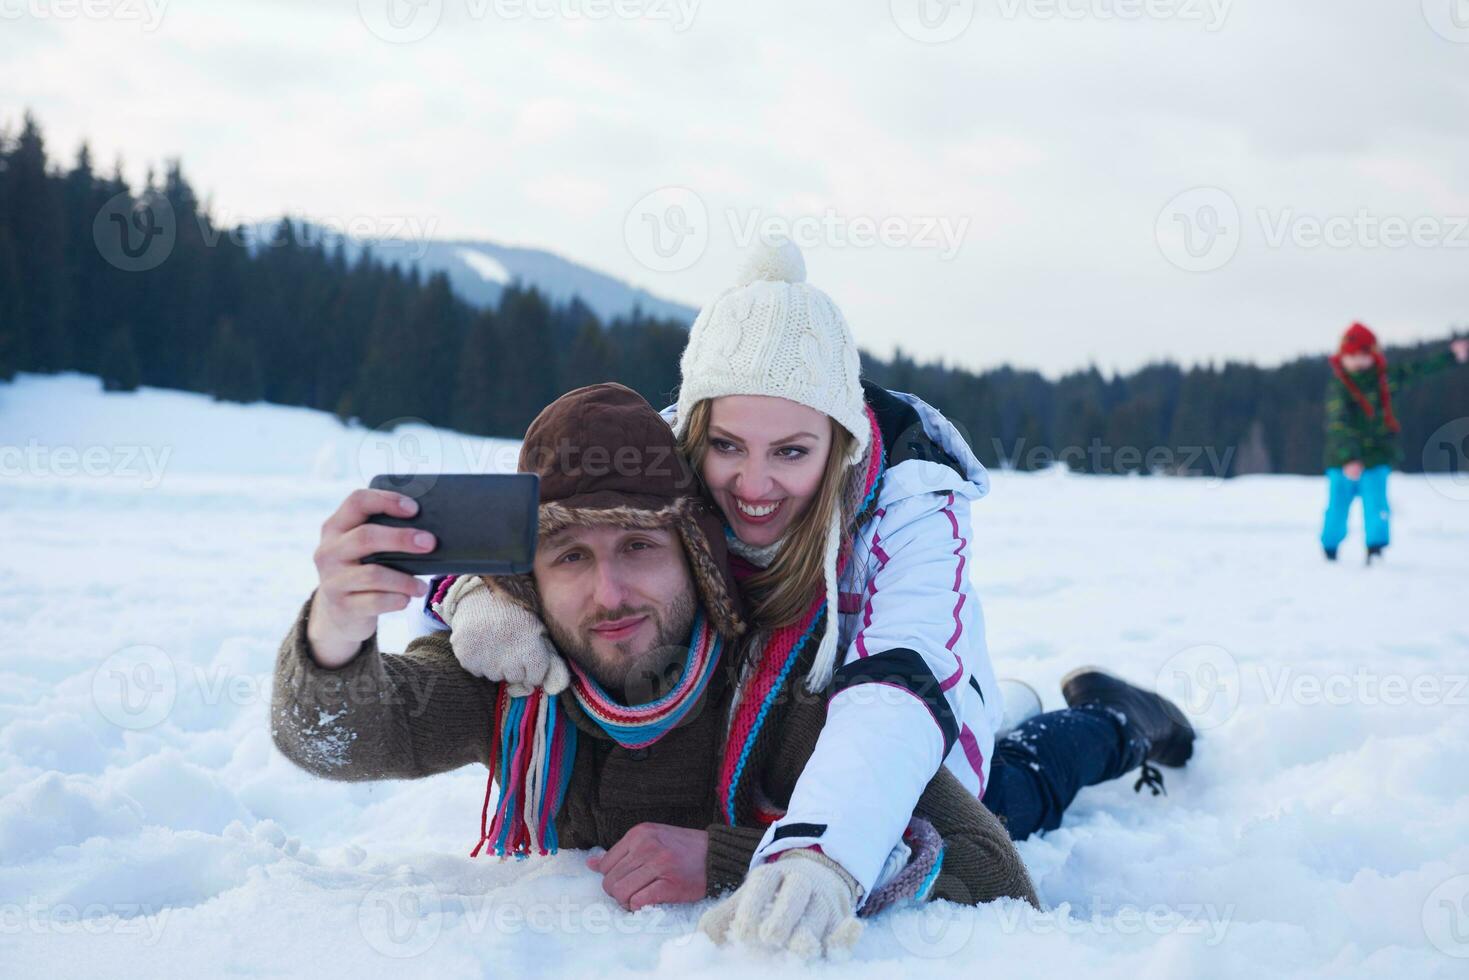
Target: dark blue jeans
(1038,768)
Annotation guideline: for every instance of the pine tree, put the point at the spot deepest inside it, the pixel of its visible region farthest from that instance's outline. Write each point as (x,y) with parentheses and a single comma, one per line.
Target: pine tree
(34,216)
(479,404)
(232,367)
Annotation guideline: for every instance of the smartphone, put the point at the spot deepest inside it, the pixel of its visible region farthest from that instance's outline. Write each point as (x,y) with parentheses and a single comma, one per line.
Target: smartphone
(484,524)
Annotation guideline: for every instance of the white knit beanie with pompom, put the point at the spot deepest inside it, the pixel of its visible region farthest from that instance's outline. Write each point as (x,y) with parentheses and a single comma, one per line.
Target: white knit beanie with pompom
(774,334)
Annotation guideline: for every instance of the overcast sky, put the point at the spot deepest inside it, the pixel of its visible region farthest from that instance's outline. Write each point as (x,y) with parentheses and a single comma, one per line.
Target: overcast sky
(991,182)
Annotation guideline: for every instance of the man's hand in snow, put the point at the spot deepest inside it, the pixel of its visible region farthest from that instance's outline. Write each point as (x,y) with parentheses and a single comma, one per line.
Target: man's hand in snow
(1353,470)
(350,595)
(654,864)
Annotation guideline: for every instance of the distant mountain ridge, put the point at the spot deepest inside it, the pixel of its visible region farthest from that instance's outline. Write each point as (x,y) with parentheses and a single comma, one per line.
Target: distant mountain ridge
(479,271)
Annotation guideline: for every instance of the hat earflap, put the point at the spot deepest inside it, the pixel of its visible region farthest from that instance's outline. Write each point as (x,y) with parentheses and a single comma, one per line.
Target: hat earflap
(826,654)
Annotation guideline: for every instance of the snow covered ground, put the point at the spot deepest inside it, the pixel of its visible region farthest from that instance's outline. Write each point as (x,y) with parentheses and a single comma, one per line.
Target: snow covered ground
(155,546)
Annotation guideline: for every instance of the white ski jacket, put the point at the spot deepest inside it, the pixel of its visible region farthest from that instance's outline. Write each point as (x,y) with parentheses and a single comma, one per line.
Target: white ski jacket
(914,687)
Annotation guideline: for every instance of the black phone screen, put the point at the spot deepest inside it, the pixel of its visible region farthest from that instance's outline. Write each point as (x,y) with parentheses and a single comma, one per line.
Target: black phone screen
(484,523)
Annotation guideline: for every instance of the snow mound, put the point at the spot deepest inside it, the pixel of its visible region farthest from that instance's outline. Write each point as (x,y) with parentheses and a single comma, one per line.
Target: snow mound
(149,827)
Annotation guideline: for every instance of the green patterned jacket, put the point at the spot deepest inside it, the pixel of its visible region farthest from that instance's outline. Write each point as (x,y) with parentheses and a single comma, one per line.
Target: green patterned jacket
(1350,434)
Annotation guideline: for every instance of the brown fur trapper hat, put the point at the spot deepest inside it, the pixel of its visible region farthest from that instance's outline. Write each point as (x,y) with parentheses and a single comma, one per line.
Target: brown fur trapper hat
(605,456)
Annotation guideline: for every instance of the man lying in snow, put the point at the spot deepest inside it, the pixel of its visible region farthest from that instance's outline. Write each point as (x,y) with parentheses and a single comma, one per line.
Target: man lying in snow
(632,579)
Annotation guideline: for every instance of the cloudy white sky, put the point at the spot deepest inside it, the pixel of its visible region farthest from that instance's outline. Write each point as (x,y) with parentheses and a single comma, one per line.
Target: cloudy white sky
(1025,172)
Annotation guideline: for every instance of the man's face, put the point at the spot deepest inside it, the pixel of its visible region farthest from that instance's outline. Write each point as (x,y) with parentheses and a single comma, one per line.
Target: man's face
(1357,362)
(618,602)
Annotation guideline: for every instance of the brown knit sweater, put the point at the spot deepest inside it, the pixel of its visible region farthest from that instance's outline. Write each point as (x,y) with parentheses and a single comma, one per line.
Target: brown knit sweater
(414,714)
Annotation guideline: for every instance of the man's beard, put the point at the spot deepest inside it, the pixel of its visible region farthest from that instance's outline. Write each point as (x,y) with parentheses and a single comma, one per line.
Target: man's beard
(637,678)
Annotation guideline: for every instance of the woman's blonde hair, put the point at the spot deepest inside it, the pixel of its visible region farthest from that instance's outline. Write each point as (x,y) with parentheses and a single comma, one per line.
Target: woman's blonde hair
(781,593)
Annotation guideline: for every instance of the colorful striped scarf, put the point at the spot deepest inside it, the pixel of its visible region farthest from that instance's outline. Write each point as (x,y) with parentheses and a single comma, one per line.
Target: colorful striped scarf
(739,799)
(641,725)
(533,745)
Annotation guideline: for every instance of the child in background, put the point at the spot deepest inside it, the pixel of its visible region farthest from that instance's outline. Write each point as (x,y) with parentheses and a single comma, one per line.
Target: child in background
(1361,432)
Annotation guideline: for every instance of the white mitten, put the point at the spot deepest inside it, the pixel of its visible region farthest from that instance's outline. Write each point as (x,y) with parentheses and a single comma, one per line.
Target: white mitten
(498,639)
(803,901)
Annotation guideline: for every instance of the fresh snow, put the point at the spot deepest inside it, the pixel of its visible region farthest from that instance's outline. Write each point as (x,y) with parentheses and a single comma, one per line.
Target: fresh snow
(149,828)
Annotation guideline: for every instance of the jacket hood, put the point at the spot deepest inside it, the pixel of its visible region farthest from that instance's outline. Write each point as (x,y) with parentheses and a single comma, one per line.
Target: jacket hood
(964,466)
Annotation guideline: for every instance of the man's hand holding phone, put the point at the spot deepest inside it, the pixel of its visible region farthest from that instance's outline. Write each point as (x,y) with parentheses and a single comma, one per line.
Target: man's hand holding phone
(351,595)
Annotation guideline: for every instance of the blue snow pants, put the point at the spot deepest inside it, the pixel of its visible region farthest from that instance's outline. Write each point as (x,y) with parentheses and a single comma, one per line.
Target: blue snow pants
(1340,494)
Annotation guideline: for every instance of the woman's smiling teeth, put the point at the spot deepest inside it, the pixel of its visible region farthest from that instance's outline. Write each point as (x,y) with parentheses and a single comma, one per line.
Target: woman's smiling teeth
(752,510)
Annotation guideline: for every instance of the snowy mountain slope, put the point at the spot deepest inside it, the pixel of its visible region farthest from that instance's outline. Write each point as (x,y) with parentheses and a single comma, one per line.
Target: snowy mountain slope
(149,828)
(478,271)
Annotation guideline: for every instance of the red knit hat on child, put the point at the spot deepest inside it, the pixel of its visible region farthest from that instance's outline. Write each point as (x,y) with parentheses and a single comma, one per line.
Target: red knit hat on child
(1359,339)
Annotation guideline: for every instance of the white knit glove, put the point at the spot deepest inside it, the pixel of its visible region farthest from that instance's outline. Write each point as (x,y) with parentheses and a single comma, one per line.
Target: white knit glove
(498,639)
(803,901)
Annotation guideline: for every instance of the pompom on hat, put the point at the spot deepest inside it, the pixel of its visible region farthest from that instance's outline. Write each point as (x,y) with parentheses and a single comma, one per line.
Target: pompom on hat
(775,334)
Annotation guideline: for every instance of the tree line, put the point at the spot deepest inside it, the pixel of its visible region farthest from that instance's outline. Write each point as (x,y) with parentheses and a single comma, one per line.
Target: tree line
(93,280)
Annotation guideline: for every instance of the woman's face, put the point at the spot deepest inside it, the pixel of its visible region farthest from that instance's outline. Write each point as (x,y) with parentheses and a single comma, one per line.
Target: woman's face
(1357,362)
(764,464)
